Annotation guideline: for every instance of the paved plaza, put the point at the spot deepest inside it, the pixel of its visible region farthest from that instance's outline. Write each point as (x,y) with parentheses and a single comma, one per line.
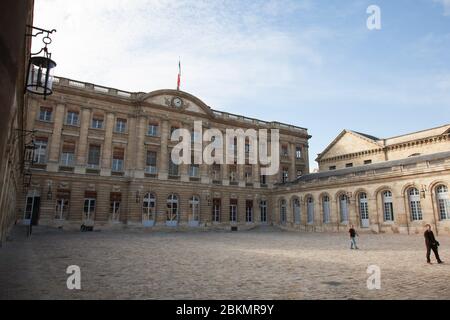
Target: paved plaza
(258,264)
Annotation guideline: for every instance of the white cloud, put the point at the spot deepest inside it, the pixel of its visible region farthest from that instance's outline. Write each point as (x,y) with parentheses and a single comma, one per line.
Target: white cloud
(226,47)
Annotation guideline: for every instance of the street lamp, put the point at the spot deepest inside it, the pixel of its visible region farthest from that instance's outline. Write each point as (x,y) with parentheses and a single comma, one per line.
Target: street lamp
(39,79)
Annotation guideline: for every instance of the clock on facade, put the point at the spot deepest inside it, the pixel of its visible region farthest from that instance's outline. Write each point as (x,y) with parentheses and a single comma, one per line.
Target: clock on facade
(177,102)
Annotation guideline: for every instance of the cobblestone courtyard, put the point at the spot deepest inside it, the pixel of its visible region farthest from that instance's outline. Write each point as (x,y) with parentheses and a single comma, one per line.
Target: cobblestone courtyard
(259,264)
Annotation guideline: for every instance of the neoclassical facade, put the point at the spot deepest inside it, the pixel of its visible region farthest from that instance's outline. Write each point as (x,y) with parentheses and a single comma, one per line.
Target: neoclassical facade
(102,158)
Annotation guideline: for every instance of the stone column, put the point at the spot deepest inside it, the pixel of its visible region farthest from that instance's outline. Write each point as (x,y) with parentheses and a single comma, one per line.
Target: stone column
(225,177)
(374,213)
(241,209)
(353,213)
(163,163)
(204,174)
(55,145)
(292,167)
(255,176)
(76,201)
(102,203)
(225,208)
(31,113)
(82,141)
(130,158)
(107,146)
(306,158)
(139,147)
(241,176)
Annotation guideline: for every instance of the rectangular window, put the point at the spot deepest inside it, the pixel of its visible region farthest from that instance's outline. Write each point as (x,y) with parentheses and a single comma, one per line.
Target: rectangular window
(233,210)
(152,130)
(68,154)
(194,170)
(151,162)
(62,204)
(249,211)
(173,168)
(263,179)
(121,125)
(45,114)
(349,165)
(233,173)
(367,161)
(40,151)
(114,208)
(298,152)
(216,210)
(94,156)
(248,174)
(117,162)
(97,122)
(216,172)
(263,206)
(284,150)
(89,208)
(72,118)
(172,129)
(332,168)
(285,175)
(247,147)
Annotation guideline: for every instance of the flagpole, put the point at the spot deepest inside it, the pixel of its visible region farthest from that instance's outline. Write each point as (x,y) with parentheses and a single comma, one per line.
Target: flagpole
(179,74)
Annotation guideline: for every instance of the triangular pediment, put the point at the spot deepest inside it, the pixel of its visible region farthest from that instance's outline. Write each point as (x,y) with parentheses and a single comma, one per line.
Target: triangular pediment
(178,100)
(348,142)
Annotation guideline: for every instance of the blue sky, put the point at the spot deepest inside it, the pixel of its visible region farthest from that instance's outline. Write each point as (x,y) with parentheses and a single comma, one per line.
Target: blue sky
(309,63)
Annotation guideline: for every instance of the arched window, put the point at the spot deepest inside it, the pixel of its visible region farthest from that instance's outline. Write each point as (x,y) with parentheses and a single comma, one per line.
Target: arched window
(296,210)
(326,209)
(414,204)
(443,201)
(363,210)
(172,208)
(343,206)
(388,207)
(148,207)
(283,211)
(310,205)
(194,209)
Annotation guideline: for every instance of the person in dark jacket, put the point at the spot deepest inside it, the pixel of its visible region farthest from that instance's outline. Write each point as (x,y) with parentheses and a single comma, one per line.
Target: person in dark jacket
(431,244)
(353,235)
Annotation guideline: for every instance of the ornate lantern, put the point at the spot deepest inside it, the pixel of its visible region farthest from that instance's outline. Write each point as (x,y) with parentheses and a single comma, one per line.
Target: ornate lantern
(39,75)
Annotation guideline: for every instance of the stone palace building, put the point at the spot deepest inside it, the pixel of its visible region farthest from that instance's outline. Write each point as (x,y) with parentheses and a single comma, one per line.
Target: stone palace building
(102,159)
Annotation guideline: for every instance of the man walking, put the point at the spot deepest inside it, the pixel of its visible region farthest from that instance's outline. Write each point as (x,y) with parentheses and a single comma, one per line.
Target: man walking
(431,244)
(353,235)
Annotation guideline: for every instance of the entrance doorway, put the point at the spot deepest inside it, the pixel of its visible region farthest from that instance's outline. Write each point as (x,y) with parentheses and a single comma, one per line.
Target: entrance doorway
(32,209)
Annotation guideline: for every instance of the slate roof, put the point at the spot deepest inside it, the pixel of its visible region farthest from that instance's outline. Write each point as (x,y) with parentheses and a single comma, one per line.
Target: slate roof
(374,166)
